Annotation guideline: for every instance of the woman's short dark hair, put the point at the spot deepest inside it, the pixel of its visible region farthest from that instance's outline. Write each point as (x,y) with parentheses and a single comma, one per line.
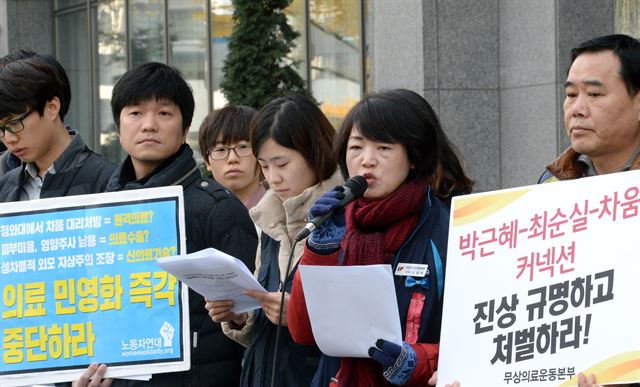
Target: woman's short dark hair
(29,80)
(153,81)
(297,123)
(230,124)
(403,117)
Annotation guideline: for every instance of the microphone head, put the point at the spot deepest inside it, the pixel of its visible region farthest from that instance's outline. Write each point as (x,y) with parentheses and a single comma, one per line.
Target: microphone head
(357,184)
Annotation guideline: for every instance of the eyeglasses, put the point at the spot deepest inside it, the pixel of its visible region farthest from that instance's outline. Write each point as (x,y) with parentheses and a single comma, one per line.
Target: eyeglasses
(16,125)
(222,152)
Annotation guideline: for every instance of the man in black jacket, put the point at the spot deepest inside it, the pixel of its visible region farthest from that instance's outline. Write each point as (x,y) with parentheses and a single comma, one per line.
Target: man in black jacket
(152,107)
(34,98)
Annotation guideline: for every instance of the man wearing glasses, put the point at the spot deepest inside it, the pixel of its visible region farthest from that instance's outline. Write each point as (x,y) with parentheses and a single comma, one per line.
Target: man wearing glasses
(34,98)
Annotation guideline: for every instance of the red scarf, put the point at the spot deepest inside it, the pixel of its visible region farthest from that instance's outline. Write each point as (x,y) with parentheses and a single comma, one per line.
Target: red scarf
(376,230)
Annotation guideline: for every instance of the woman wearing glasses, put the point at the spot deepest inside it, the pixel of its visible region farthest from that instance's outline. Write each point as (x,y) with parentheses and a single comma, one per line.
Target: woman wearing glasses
(224,144)
(292,141)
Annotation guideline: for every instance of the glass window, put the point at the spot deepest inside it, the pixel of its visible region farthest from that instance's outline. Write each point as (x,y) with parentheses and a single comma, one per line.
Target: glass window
(60,4)
(146,31)
(127,33)
(72,53)
(188,53)
(296,16)
(335,55)
(627,17)
(221,28)
(111,53)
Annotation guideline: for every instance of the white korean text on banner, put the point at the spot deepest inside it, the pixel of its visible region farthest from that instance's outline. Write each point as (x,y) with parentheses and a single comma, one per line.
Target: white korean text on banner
(542,283)
(79,285)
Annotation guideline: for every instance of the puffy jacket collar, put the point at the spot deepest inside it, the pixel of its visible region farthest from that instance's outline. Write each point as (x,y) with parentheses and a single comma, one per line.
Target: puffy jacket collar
(567,167)
(179,169)
(73,156)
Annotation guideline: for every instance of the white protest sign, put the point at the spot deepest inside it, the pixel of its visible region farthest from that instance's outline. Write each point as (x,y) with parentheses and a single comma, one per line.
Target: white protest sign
(542,283)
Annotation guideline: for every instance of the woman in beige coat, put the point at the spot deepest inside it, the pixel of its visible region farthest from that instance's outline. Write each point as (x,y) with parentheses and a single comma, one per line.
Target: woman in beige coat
(292,140)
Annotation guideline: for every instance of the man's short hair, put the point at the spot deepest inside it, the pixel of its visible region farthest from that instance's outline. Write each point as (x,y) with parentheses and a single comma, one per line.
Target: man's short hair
(29,80)
(153,81)
(626,48)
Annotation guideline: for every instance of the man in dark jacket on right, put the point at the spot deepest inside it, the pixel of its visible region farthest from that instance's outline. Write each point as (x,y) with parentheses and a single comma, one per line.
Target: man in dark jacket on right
(601,110)
(152,107)
(601,116)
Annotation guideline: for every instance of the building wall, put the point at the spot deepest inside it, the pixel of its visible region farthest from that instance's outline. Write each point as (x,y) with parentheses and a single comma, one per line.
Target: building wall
(29,25)
(529,102)
(469,72)
(493,70)
(4,42)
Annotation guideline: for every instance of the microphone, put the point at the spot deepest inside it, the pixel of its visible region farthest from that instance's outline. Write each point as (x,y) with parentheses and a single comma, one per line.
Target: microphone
(354,188)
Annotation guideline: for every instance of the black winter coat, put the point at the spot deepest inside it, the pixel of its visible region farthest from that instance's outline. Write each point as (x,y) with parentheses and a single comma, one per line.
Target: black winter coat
(79,171)
(213,218)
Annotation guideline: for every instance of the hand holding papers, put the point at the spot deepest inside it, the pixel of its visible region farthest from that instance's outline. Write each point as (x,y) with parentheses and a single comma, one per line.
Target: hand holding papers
(216,276)
(350,307)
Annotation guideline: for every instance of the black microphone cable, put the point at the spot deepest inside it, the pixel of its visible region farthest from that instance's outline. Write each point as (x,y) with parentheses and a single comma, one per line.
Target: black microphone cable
(283,286)
(354,188)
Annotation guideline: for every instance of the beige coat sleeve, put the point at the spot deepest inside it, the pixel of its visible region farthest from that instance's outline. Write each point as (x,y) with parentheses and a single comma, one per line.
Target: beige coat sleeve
(242,336)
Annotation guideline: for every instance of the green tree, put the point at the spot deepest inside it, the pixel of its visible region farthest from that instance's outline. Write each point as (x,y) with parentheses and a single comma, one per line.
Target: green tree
(257,68)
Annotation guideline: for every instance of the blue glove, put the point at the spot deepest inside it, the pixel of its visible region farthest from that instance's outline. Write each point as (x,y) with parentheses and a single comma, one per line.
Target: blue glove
(398,362)
(327,236)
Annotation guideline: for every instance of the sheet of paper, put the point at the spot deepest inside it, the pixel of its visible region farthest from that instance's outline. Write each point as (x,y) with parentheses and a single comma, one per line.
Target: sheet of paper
(215,275)
(350,307)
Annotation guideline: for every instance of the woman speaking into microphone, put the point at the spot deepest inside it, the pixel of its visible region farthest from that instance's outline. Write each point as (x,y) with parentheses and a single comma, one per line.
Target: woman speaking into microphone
(394,140)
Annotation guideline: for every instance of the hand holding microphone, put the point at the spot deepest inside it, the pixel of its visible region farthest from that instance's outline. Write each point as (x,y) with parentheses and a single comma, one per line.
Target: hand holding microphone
(327,221)
(326,237)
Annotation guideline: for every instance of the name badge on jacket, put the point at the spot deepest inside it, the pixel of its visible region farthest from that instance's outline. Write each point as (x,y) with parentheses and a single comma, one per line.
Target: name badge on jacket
(412,270)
